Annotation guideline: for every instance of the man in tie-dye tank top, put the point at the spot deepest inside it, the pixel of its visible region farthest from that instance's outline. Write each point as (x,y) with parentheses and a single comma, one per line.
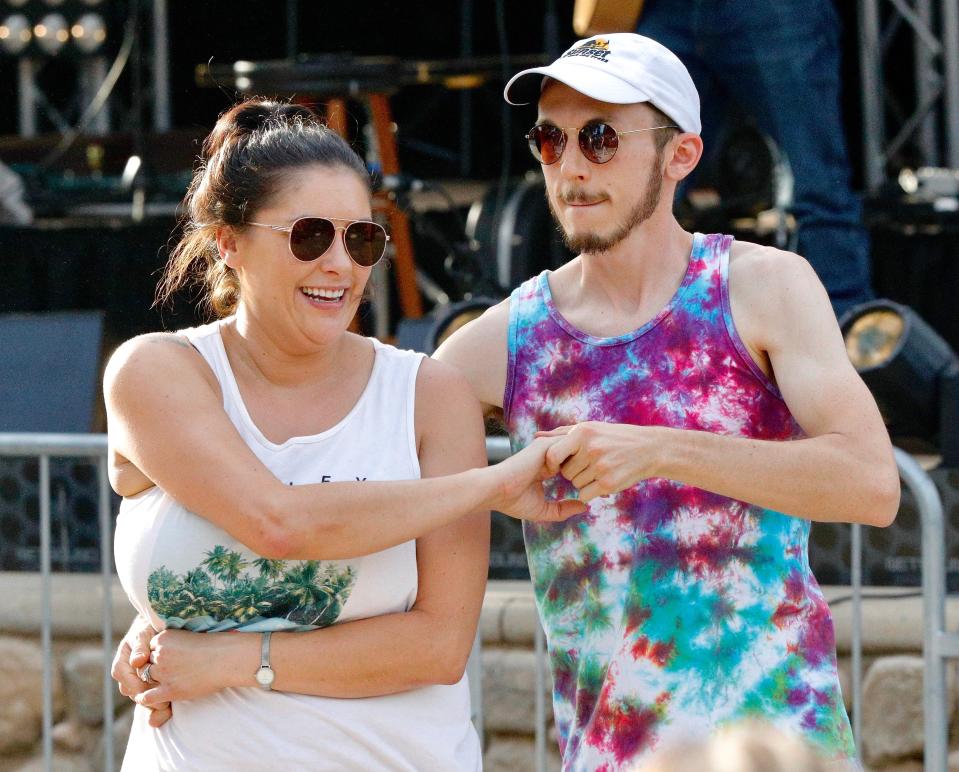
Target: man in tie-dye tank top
(707,412)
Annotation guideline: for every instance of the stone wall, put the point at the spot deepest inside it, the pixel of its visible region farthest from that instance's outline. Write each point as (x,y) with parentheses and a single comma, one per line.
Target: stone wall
(892,685)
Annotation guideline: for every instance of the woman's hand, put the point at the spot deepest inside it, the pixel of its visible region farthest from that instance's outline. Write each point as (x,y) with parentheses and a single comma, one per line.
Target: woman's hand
(520,487)
(132,657)
(189,665)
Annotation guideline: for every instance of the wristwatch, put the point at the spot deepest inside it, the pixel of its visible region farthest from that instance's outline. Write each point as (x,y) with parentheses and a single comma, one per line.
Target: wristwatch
(264,675)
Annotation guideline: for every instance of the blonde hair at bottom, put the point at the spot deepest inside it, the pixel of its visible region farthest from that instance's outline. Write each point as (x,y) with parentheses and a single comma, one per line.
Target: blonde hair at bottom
(749,746)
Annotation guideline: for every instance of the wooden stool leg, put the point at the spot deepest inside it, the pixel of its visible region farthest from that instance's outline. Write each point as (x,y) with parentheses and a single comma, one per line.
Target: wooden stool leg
(411,304)
(336,116)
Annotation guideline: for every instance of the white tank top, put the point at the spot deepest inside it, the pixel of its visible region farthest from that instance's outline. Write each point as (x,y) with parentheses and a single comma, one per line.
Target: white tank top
(180,570)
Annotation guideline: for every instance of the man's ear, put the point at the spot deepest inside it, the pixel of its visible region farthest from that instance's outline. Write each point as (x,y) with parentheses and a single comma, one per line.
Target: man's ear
(687,149)
(226,245)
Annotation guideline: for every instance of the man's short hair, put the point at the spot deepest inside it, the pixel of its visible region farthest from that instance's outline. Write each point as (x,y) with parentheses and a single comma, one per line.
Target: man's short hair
(662,137)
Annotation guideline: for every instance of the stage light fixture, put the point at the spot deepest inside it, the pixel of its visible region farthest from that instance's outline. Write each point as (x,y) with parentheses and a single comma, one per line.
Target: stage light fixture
(911,371)
(52,33)
(89,32)
(15,34)
(17,3)
(428,332)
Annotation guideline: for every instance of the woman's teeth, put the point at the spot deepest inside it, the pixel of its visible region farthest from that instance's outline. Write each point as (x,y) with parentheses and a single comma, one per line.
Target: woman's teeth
(323,294)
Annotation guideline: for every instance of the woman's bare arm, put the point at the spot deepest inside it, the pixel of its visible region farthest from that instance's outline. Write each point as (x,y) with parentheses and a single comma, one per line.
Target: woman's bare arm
(166,417)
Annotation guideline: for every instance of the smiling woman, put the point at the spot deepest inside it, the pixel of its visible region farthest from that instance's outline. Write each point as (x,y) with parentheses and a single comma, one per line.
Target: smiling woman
(270,463)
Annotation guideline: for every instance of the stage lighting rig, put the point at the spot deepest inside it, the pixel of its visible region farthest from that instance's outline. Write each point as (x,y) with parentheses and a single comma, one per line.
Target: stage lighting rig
(428,332)
(89,32)
(16,32)
(56,28)
(912,372)
(52,33)
(82,32)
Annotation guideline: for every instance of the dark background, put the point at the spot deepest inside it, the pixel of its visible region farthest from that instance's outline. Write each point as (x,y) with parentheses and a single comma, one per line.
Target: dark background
(224,31)
(112,266)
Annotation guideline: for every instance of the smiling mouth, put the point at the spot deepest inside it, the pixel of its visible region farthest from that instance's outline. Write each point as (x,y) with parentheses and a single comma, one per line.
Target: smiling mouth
(323,295)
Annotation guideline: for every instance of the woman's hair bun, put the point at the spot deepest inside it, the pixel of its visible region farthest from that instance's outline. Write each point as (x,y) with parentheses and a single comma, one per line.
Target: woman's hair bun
(252,116)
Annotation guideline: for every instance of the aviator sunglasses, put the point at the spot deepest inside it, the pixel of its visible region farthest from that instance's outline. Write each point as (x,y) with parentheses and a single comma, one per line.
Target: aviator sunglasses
(311,237)
(598,141)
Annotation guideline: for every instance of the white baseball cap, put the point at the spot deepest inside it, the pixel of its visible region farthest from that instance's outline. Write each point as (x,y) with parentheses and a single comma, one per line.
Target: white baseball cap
(622,68)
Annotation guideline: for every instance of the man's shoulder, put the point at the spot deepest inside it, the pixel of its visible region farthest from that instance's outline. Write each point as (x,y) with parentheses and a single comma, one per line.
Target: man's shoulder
(479,351)
(762,275)
(749,256)
(768,288)
(487,329)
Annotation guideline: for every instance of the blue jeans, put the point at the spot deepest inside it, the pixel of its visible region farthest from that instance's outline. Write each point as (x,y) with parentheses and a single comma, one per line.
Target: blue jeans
(779,60)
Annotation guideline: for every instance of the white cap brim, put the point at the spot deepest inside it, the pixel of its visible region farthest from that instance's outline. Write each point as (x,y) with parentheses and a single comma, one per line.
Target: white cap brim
(594,83)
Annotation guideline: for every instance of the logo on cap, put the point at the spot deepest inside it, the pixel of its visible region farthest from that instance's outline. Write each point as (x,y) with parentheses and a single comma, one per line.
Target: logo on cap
(597,48)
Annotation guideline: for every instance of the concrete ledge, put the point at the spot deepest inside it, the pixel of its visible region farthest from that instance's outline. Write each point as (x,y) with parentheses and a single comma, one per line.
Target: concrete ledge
(509,613)
(76,603)
(508,618)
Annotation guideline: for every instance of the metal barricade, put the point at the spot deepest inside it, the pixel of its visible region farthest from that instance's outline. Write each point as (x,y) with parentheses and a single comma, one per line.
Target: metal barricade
(43,447)
(939,645)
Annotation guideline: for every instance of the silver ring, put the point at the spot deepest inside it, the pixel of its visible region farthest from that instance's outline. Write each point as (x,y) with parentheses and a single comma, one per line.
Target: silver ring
(145,674)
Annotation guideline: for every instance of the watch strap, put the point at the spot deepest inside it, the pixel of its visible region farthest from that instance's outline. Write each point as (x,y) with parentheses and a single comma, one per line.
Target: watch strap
(265,649)
(264,674)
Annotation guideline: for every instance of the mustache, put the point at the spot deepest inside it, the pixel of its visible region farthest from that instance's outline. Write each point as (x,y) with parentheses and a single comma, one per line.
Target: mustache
(577,196)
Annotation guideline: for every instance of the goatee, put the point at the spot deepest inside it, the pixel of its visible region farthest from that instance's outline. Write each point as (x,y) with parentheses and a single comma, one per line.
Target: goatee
(594,243)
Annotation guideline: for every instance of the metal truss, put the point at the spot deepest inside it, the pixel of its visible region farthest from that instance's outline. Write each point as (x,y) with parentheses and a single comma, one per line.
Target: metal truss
(933,126)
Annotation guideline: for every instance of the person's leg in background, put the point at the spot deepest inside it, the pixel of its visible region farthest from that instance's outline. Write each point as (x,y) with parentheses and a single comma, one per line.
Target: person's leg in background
(780,61)
(673,24)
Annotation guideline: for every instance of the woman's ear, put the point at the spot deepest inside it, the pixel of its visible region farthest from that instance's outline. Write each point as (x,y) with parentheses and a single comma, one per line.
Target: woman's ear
(687,149)
(226,246)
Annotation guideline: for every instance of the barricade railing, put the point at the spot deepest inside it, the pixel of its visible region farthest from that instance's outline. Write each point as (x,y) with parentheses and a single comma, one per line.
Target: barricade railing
(43,447)
(938,644)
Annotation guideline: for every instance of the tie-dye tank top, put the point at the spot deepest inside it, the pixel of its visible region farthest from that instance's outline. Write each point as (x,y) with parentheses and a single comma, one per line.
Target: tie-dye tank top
(669,610)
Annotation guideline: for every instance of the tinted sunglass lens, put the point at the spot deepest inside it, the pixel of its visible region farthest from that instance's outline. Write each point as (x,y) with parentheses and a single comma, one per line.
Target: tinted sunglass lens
(365,242)
(311,237)
(599,142)
(547,143)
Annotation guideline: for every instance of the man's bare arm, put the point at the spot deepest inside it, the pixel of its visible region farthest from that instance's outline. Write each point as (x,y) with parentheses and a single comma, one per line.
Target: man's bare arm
(479,351)
(843,471)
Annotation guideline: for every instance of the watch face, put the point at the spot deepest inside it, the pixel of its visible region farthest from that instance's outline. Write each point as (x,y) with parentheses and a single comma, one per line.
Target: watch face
(264,676)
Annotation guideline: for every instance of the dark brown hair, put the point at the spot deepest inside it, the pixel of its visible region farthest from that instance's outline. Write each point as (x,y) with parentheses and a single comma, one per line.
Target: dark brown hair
(244,161)
(662,137)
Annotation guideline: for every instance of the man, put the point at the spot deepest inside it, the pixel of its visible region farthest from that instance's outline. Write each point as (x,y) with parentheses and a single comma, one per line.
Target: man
(709,412)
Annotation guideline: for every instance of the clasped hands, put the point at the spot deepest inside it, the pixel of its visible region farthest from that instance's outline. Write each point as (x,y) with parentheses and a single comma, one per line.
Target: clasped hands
(601,459)
(153,669)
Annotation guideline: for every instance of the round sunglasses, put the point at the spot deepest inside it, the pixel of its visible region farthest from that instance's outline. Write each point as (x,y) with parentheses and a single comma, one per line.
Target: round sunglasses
(598,141)
(311,238)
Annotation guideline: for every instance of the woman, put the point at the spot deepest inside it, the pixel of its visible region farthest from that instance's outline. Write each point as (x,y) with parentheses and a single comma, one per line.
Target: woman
(269,541)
